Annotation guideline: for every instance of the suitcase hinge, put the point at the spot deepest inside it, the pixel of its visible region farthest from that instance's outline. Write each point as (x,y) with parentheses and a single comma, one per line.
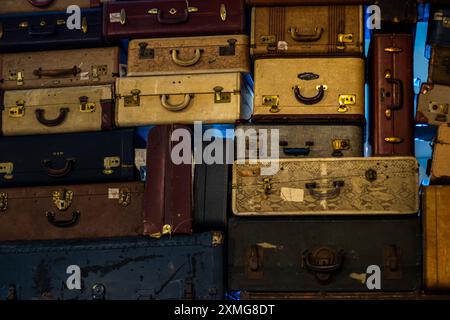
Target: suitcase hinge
(254,261)
(84,25)
(343,39)
(134,100)
(220,96)
(18,111)
(166,230)
(62,199)
(17,76)
(86,106)
(97,71)
(3,201)
(340,145)
(217,239)
(144,52)
(109,163)
(346,100)
(392,268)
(229,50)
(7,168)
(273,102)
(125,197)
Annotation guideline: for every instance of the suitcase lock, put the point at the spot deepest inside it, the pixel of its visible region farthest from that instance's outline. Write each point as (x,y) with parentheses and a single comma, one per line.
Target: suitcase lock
(134,100)
(273,102)
(343,39)
(3,201)
(98,291)
(217,239)
(17,76)
(125,197)
(18,111)
(144,52)
(229,50)
(346,100)
(62,199)
(220,96)
(86,106)
(6,168)
(109,163)
(323,263)
(339,145)
(97,71)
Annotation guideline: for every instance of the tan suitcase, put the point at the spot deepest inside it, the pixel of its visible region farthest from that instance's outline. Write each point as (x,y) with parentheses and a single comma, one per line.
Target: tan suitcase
(22,6)
(188,55)
(433,105)
(64,68)
(308,87)
(218,98)
(278,31)
(440,164)
(57,110)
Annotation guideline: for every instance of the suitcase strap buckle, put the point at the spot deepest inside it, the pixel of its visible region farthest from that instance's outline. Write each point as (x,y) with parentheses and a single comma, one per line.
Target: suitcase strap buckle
(6,168)
(62,199)
(3,201)
(18,111)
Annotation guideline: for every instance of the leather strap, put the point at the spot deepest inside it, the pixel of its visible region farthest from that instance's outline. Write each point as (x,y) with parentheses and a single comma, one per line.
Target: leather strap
(108,119)
(277,24)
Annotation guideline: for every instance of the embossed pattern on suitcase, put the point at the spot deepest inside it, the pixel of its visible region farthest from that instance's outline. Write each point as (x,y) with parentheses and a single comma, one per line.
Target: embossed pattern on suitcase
(440,164)
(433,104)
(439,69)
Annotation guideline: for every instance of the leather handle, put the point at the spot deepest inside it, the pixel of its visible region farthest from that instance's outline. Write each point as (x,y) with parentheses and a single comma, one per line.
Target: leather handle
(40,117)
(63,223)
(162,20)
(59,173)
(42,33)
(186,63)
(397,95)
(40,3)
(296,36)
(57,72)
(165,103)
(332,194)
(311,266)
(297,151)
(310,100)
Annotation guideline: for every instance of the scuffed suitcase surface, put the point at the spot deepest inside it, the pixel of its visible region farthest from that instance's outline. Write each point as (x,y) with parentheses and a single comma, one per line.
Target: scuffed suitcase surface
(323,255)
(440,164)
(25,6)
(433,105)
(120,269)
(438,29)
(439,69)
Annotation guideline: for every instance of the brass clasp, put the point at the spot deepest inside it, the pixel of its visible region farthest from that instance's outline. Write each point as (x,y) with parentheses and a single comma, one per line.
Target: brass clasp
(109,163)
(97,71)
(125,197)
(220,96)
(134,99)
(62,199)
(6,168)
(346,100)
(273,102)
(342,39)
(85,105)
(18,111)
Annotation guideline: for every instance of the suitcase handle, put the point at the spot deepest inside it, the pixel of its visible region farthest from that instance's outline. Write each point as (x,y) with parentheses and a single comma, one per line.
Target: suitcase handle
(59,173)
(165,103)
(297,151)
(323,271)
(40,116)
(397,95)
(186,63)
(40,3)
(57,72)
(296,36)
(161,20)
(63,223)
(42,33)
(310,100)
(332,194)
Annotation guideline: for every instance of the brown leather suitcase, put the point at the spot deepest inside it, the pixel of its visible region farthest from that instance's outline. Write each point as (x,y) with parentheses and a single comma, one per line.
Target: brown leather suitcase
(433,104)
(168,191)
(20,6)
(71,212)
(64,68)
(439,69)
(440,164)
(280,31)
(392,95)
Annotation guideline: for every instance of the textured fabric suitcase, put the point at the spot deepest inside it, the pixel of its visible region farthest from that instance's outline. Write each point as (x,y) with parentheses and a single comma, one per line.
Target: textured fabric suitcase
(72,212)
(392,95)
(65,68)
(433,104)
(57,110)
(307,87)
(218,98)
(168,192)
(184,267)
(168,18)
(350,186)
(439,69)
(188,55)
(323,255)
(264,3)
(304,140)
(439,26)
(436,220)
(342,296)
(49,31)
(26,6)
(440,164)
(67,158)
(279,31)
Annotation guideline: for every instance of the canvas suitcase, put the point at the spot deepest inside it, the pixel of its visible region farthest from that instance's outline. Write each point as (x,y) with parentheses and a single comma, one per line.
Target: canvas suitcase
(65,68)
(433,104)
(67,159)
(26,6)
(309,87)
(440,164)
(168,193)
(303,140)
(57,110)
(342,296)
(168,18)
(348,186)
(439,69)
(392,95)
(49,31)
(218,98)
(72,212)
(279,31)
(324,255)
(438,29)
(184,267)
(188,55)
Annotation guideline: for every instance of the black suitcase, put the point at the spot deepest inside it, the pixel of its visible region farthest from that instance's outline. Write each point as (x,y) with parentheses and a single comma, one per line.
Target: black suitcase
(306,255)
(70,158)
(182,267)
(42,31)
(439,26)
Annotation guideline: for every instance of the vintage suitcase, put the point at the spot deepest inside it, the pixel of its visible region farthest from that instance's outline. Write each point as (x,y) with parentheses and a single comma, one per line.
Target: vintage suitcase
(168,18)
(279,31)
(350,186)
(440,164)
(439,68)
(309,87)
(395,13)
(405,295)
(67,158)
(392,95)
(438,29)
(72,212)
(433,104)
(309,139)
(188,55)
(168,192)
(264,3)
(183,267)
(324,255)
(218,98)
(436,219)
(49,31)
(26,6)
(65,68)
(57,110)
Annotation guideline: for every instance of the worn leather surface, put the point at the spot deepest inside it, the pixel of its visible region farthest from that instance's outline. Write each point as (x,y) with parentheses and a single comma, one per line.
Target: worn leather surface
(440,165)
(438,31)
(439,69)
(18,6)
(433,105)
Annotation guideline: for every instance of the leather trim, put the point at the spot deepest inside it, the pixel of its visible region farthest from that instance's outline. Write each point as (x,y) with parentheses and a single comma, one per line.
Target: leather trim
(108,118)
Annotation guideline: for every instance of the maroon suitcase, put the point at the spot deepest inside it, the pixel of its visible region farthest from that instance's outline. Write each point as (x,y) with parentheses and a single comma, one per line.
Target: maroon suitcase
(168,191)
(392,95)
(168,18)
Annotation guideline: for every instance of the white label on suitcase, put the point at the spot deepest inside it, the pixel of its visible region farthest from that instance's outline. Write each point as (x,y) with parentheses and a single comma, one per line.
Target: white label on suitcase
(113,193)
(292,195)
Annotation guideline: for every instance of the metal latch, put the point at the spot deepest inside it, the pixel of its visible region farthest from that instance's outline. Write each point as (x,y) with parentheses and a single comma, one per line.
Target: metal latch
(220,96)
(18,111)
(86,106)
(17,76)
(271,101)
(229,50)
(254,261)
(98,291)
(7,168)
(97,71)
(266,186)
(217,239)
(223,12)
(441,108)
(109,163)
(62,199)
(343,38)
(144,52)
(125,197)
(340,145)
(166,230)
(134,100)
(346,100)
(3,201)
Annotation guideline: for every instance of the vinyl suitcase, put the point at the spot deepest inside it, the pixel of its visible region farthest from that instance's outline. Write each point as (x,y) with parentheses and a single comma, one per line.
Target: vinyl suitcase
(188,55)
(218,98)
(439,69)
(438,29)
(324,255)
(184,267)
(49,31)
(392,95)
(16,6)
(72,212)
(305,88)
(64,68)
(347,186)
(279,31)
(57,110)
(67,159)
(440,164)
(433,104)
